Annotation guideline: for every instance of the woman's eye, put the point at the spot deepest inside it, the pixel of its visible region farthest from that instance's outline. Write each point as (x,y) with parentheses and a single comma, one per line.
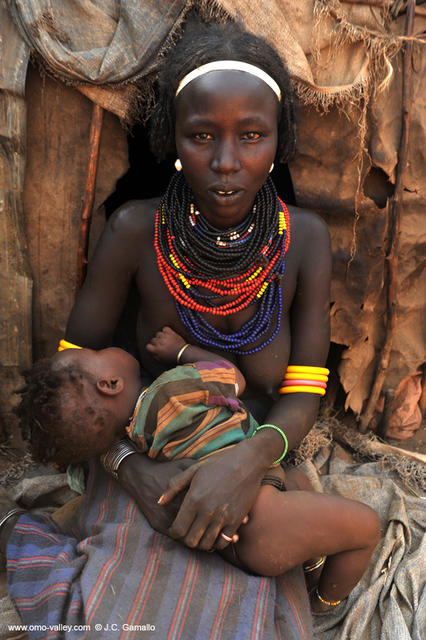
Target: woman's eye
(203,136)
(252,135)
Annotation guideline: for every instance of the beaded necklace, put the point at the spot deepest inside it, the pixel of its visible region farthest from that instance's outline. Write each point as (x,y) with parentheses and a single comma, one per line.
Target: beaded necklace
(200,263)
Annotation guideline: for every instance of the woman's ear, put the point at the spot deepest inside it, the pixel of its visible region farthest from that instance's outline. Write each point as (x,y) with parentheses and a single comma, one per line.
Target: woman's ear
(110,386)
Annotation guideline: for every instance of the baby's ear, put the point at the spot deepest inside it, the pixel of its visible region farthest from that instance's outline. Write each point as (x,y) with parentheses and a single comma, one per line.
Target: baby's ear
(110,386)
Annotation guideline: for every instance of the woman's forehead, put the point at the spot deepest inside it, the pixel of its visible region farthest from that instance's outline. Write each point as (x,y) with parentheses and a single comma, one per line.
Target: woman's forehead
(227,89)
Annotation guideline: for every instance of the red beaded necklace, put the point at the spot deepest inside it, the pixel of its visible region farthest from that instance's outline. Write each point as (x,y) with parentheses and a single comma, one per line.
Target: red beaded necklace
(183,277)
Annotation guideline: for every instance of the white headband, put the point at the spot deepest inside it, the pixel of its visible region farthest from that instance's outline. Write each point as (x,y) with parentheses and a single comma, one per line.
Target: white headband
(229,65)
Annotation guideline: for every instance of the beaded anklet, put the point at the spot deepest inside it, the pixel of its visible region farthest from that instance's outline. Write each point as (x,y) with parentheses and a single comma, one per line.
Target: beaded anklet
(330,604)
(64,344)
(282,434)
(303,379)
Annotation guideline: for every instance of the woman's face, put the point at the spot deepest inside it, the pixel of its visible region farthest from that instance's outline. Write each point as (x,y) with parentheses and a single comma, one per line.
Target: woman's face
(226,139)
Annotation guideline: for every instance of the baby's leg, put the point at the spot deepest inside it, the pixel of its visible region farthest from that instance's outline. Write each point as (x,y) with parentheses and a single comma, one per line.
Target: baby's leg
(287,528)
(297,480)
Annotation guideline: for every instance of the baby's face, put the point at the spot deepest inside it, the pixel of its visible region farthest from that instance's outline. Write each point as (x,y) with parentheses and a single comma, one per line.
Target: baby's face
(105,400)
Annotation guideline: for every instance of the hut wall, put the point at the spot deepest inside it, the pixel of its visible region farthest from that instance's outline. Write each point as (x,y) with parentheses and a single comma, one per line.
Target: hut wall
(15,276)
(57,158)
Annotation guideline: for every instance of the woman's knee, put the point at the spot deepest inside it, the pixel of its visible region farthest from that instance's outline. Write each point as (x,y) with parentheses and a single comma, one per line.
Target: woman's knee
(372,526)
(261,558)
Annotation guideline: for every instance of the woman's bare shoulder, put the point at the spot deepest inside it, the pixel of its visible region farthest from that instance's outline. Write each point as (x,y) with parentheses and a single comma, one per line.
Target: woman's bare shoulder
(306,222)
(134,216)
(310,235)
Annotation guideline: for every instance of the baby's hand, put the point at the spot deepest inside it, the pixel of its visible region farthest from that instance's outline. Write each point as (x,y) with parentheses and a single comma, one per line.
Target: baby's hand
(165,345)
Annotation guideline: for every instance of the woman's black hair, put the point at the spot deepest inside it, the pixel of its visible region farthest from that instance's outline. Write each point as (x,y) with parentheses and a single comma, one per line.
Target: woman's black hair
(203,43)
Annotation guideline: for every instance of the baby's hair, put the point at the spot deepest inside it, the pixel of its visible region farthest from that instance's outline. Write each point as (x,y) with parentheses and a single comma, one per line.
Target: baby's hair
(203,43)
(47,390)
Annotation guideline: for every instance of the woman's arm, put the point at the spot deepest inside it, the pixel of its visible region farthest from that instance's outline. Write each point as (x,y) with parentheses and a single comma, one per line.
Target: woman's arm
(310,331)
(100,301)
(222,490)
(145,480)
(92,322)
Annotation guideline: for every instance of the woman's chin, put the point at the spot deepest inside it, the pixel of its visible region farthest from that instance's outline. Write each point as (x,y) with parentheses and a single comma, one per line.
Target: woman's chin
(227,211)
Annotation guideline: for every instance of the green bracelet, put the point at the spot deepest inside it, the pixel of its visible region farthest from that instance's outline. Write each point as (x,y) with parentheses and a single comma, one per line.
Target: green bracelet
(282,434)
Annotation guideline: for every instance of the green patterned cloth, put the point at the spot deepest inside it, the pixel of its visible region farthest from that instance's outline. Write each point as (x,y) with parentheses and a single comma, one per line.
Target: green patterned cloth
(191,411)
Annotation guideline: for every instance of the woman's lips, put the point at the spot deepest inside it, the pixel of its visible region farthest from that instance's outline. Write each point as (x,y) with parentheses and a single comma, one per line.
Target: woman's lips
(225,197)
(222,195)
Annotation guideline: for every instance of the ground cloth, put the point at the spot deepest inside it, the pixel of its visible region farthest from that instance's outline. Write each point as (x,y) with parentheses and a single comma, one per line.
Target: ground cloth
(390,601)
(114,569)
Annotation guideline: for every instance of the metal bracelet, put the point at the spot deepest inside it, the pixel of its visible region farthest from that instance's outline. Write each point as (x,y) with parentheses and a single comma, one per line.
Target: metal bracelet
(308,568)
(180,352)
(11,513)
(115,455)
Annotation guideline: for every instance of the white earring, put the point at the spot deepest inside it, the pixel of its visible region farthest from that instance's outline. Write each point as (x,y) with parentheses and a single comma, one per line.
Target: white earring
(272,167)
(178,165)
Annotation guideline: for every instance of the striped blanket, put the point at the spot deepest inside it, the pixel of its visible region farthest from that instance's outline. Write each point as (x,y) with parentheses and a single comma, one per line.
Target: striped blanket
(112,576)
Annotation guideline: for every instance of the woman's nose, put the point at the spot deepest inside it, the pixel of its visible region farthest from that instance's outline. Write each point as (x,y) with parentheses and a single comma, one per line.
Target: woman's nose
(226,158)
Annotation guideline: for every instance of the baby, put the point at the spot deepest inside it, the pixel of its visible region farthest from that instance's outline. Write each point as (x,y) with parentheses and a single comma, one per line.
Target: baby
(78,404)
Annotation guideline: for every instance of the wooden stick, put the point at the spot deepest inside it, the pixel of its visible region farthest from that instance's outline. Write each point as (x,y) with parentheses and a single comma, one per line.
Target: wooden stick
(379,448)
(373,3)
(394,223)
(383,448)
(89,194)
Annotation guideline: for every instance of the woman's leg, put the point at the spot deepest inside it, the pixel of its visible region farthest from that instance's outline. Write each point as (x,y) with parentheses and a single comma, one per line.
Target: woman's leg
(287,528)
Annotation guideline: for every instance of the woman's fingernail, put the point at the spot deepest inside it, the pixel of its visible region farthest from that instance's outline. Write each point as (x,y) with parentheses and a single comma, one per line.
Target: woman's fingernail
(235,538)
(245,520)
(160,500)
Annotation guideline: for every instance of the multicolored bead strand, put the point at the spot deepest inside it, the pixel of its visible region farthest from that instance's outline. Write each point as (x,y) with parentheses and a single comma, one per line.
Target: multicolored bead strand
(200,264)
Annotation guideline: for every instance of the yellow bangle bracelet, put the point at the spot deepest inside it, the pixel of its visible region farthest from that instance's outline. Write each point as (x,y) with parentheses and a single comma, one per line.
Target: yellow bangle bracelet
(310,376)
(301,389)
(64,344)
(293,368)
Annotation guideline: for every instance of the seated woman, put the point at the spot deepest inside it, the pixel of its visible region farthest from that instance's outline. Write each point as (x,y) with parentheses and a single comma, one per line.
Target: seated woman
(225,263)
(221,260)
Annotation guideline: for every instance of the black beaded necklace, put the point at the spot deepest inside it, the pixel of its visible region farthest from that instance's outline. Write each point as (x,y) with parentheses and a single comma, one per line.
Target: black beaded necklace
(200,263)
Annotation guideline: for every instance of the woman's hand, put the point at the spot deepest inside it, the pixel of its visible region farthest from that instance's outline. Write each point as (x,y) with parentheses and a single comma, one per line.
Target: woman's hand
(165,345)
(221,492)
(146,480)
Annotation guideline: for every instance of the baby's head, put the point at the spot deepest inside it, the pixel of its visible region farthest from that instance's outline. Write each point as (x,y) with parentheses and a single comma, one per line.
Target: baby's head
(77,403)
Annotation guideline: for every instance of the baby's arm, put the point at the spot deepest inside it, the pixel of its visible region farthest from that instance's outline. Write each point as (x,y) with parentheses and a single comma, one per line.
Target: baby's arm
(166,345)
